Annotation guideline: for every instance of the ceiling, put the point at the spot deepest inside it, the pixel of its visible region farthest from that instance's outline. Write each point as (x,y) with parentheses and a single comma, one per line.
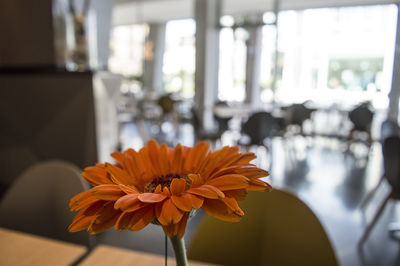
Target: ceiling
(159,11)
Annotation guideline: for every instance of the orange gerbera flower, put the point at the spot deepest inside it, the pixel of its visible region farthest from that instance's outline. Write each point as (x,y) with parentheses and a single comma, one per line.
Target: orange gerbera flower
(163,185)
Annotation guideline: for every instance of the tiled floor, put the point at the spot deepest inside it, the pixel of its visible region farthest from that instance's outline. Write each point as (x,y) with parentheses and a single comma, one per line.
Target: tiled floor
(330,180)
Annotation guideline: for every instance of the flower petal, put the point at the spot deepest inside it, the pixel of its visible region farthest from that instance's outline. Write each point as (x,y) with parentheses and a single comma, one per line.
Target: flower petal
(251,172)
(220,210)
(258,185)
(80,223)
(196,155)
(133,167)
(233,205)
(129,189)
(144,162)
(232,154)
(107,192)
(151,197)
(119,157)
(118,175)
(154,155)
(210,164)
(238,194)
(106,218)
(129,203)
(85,217)
(196,180)
(177,161)
(168,213)
(170,230)
(178,186)
(229,182)
(82,200)
(96,175)
(182,225)
(166,191)
(244,159)
(207,191)
(137,220)
(158,189)
(187,202)
(164,160)
(176,229)
(142,218)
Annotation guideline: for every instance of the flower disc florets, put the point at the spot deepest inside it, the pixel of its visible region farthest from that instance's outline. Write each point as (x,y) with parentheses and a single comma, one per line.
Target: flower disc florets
(165,181)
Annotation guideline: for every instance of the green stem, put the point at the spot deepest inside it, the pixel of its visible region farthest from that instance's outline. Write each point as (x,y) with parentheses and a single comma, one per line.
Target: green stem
(180,252)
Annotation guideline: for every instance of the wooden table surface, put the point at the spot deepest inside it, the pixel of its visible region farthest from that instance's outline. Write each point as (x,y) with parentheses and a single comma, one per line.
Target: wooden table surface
(20,249)
(104,255)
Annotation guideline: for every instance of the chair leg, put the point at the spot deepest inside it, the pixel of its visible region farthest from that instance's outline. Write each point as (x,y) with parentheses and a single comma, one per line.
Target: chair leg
(371,193)
(373,222)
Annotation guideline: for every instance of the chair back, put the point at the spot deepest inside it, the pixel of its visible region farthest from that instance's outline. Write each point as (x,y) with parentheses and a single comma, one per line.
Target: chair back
(222,122)
(37,201)
(166,103)
(391,163)
(277,229)
(296,114)
(259,126)
(361,117)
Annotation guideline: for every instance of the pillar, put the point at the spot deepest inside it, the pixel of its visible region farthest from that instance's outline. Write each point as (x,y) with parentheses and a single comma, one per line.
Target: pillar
(207,14)
(153,58)
(393,113)
(254,47)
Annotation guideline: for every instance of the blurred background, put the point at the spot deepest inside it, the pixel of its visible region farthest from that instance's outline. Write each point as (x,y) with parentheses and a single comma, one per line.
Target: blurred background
(312,87)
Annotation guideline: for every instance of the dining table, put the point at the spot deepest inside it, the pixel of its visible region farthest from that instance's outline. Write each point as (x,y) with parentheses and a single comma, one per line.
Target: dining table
(105,255)
(20,249)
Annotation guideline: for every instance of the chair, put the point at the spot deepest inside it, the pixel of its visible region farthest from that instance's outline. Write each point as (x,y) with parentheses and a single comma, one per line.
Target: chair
(389,128)
(166,103)
(361,117)
(258,127)
(222,122)
(391,165)
(37,201)
(277,229)
(296,114)
(258,130)
(202,134)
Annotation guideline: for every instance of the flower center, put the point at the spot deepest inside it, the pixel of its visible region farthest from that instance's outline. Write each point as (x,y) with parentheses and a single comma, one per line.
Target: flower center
(165,181)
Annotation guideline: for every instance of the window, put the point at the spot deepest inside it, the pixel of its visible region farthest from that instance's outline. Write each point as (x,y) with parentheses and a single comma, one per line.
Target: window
(127,53)
(334,55)
(232,64)
(127,49)
(179,57)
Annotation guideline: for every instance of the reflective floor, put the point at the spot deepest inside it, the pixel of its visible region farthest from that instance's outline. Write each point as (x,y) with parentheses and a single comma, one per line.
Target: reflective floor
(332,178)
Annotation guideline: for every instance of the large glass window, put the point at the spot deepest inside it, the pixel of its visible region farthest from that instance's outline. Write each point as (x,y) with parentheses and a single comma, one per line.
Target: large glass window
(334,55)
(232,64)
(179,57)
(127,49)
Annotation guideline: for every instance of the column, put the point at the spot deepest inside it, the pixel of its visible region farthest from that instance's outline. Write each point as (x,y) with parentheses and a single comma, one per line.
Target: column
(207,14)
(100,16)
(394,94)
(153,58)
(254,48)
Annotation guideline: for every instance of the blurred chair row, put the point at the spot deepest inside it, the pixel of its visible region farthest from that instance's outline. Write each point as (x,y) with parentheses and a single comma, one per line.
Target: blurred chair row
(256,126)
(37,201)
